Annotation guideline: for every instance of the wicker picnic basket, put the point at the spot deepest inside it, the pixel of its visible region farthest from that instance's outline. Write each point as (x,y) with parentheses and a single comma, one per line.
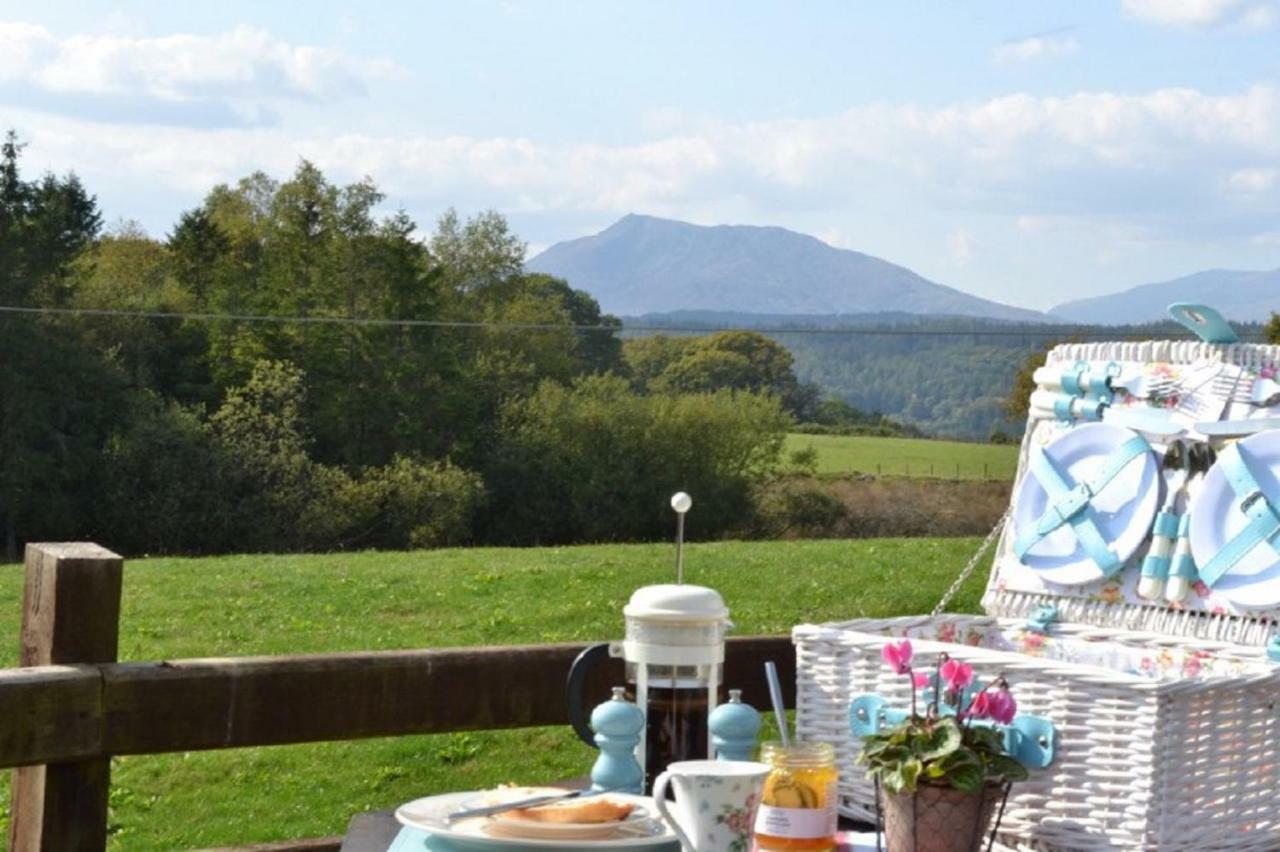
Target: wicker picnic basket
(1166,717)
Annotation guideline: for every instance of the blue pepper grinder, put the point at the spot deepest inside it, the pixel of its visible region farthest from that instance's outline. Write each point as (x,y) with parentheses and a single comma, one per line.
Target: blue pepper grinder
(734,728)
(617,724)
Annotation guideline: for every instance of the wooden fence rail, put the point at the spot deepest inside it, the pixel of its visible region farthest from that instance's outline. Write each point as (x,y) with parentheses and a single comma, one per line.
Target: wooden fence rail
(64,718)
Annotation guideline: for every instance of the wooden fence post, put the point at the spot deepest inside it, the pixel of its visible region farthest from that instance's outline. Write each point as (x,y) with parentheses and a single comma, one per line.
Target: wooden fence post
(70,614)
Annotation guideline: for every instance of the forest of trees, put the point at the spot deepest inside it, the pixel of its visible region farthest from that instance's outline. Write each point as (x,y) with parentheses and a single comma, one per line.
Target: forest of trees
(423,390)
(946,377)
(204,426)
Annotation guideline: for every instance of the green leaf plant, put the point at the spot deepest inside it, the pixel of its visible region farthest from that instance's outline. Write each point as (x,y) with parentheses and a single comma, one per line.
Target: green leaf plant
(942,746)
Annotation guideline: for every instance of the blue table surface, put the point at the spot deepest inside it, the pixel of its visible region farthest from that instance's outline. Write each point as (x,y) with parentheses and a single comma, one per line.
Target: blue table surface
(413,840)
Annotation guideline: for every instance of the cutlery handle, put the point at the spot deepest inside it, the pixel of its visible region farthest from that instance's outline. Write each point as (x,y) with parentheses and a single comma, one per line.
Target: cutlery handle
(1155,568)
(1182,569)
(1048,378)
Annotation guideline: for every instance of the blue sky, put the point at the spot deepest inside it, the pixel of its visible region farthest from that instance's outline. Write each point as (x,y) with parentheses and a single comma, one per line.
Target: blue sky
(1028,152)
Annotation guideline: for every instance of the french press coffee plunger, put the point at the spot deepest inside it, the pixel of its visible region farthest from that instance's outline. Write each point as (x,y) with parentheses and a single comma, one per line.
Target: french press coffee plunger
(673,651)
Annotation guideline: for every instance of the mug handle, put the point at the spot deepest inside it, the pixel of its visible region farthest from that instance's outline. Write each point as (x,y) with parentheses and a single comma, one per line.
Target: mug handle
(660,785)
(578,713)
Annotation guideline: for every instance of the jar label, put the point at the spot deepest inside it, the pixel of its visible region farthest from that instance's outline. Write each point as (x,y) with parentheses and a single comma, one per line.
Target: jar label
(800,822)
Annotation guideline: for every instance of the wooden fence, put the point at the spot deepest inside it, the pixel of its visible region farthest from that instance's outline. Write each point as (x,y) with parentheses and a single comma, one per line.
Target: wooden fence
(72,706)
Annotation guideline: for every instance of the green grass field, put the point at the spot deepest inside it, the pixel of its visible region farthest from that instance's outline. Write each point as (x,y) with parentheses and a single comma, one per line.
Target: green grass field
(240,605)
(841,454)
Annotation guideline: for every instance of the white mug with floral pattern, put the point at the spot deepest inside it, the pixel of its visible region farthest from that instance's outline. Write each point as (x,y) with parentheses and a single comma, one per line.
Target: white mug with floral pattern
(716,802)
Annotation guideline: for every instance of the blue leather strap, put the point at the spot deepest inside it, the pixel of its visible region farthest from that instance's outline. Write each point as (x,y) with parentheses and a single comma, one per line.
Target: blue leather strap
(1073,379)
(1071,504)
(1156,567)
(1183,564)
(1098,385)
(1156,562)
(1062,406)
(1068,408)
(1091,409)
(1167,524)
(1077,380)
(1264,522)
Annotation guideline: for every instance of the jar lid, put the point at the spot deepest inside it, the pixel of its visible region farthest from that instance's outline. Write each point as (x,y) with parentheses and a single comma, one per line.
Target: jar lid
(797,754)
(671,602)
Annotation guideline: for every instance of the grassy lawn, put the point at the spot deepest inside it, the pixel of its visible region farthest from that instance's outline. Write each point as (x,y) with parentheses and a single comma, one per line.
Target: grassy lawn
(839,454)
(294,604)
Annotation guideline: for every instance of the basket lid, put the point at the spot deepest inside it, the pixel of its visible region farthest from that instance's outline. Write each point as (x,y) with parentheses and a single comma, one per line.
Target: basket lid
(1084,587)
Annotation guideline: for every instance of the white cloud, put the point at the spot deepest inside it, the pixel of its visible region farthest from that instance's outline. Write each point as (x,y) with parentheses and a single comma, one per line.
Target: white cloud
(1266,239)
(1253,180)
(835,236)
(245,63)
(1030,224)
(1043,163)
(1260,17)
(1201,14)
(1111,238)
(960,246)
(1035,47)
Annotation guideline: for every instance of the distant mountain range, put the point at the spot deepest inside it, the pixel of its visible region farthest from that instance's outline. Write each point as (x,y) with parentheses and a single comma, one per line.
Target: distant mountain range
(1238,295)
(646,265)
(643,264)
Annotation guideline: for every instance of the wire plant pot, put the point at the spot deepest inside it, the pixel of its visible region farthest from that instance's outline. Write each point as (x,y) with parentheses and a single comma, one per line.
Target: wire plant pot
(940,819)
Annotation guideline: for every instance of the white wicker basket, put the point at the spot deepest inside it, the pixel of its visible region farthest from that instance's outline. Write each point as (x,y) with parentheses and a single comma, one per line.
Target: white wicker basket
(1185,757)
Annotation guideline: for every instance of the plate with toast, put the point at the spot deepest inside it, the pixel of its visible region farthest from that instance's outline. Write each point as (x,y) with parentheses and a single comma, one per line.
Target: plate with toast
(605,821)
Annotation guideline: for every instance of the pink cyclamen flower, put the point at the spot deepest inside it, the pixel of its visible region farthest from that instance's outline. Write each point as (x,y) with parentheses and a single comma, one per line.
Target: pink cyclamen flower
(980,707)
(956,675)
(898,657)
(920,679)
(1003,707)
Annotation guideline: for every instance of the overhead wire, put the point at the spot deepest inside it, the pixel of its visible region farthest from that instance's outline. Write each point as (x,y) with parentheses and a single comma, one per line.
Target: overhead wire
(1024,331)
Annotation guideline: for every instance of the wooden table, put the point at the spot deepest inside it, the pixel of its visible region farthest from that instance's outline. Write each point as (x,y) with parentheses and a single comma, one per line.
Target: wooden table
(371,832)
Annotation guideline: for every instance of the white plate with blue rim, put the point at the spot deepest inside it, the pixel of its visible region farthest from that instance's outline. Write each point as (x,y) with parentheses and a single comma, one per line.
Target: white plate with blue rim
(1254,581)
(1123,511)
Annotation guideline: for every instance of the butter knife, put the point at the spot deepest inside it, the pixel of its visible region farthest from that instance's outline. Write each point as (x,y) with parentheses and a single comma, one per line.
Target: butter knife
(531,802)
(1150,421)
(1236,428)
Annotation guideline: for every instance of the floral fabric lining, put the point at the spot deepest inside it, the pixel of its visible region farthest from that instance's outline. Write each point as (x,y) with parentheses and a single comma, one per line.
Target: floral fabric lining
(1158,663)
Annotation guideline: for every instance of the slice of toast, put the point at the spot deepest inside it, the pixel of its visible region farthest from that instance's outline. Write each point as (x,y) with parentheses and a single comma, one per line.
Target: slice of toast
(581,813)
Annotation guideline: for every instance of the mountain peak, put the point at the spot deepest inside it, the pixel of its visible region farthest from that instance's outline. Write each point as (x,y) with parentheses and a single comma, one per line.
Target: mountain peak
(646,264)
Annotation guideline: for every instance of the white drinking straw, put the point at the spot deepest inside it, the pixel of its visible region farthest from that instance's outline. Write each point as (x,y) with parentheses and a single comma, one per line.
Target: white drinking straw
(775,695)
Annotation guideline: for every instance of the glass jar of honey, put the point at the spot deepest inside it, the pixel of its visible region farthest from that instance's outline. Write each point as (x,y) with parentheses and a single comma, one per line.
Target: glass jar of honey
(798,809)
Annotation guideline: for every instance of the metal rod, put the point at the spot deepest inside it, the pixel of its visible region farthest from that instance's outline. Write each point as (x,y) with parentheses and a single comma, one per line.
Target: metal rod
(879,817)
(1008,785)
(775,696)
(680,548)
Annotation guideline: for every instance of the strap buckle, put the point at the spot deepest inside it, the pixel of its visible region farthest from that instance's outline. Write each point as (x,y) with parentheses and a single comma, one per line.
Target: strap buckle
(1072,503)
(1264,514)
(1250,500)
